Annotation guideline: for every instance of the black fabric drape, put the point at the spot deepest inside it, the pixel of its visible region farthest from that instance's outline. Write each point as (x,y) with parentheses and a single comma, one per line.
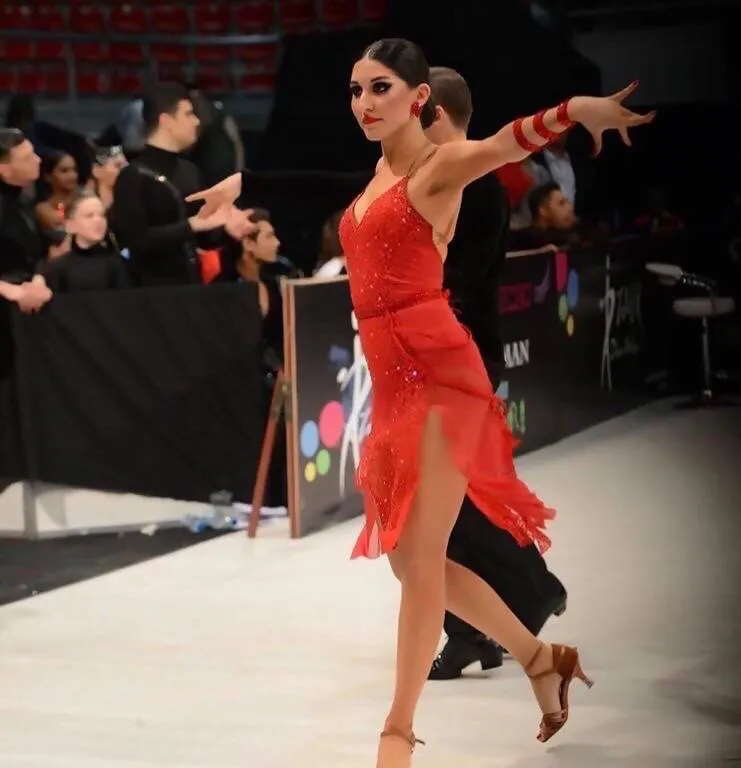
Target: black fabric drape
(152,391)
(11,464)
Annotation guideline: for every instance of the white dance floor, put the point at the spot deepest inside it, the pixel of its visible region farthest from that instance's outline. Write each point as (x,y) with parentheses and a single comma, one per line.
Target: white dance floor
(278,654)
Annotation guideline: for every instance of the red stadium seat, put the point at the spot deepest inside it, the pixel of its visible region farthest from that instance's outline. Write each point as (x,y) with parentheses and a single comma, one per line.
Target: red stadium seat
(170,19)
(169,54)
(91,83)
(36,82)
(14,16)
(49,50)
(127,53)
(373,10)
(57,82)
(8,80)
(339,13)
(90,51)
(48,18)
(263,56)
(127,83)
(256,17)
(171,71)
(297,15)
(212,19)
(16,51)
(257,82)
(31,82)
(214,79)
(212,53)
(129,19)
(87,19)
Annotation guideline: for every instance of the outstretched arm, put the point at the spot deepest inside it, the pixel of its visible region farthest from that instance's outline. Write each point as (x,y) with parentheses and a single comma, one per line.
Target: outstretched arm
(258,186)
(459,163)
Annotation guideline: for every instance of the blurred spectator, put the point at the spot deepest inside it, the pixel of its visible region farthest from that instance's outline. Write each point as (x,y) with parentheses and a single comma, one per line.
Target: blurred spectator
(658,219)
(518,180)
(93,262)
(554,164)
(254,264)
(149,215)
(218,151)
(106,164)
(258,249)
(130,127)
(331,258)
(60,184)
(254,258)
(22,243)
(554,221)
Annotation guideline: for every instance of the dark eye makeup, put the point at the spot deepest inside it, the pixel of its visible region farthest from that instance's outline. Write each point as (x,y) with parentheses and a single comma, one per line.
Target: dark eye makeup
(379,87)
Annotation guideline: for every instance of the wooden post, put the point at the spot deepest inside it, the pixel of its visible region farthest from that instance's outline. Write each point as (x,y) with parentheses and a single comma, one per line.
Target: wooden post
(277,404)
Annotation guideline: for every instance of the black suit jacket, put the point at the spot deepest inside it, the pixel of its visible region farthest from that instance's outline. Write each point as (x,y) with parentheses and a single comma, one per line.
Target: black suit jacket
(22,244)
(472,267)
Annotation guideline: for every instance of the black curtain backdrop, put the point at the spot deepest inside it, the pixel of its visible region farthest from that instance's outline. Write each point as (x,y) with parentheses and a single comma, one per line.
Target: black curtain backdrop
(154,391)
(513,65)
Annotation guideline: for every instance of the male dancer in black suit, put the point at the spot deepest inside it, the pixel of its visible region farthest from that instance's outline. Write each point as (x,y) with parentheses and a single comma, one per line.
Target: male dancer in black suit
(472,267)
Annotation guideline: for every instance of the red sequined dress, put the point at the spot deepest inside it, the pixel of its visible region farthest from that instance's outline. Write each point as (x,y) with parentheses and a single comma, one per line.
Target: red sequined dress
(420,357)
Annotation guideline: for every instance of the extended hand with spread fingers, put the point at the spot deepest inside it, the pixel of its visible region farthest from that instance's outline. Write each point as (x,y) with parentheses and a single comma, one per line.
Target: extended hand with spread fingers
(600,114)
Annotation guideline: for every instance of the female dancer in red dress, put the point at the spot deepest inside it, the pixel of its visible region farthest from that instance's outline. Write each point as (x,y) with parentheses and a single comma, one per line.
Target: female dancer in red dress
(437,429)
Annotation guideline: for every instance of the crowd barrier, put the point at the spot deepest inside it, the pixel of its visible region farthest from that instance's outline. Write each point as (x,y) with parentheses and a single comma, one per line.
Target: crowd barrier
(157,393)
(584,341)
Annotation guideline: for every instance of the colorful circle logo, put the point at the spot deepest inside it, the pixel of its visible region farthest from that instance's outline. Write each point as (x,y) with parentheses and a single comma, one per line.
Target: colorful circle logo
(316,438)
(567,285)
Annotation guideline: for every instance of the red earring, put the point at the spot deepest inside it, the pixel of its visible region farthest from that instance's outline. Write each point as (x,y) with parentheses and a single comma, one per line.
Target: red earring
(416,109)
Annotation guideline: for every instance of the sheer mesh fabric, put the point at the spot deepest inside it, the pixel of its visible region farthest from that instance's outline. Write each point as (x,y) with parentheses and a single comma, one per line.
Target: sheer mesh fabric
(420,357)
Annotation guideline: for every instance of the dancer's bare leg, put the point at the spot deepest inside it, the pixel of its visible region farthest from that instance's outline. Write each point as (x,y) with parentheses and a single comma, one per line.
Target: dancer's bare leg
(419,561)
(470,598)
(430,583)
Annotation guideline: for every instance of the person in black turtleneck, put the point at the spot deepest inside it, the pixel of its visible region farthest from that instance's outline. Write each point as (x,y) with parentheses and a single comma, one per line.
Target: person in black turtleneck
(93,262)
(22,245)
(149,216)
(471,274)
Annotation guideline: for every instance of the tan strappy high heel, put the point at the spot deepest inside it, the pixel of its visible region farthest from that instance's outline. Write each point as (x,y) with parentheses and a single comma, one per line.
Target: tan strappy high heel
(566,665)
(410,738)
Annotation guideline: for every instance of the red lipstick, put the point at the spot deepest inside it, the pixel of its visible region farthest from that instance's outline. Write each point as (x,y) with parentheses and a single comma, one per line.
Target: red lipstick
(368,120)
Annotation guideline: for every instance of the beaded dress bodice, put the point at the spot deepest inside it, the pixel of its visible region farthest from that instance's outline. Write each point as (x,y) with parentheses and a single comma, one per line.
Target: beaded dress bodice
(392,260)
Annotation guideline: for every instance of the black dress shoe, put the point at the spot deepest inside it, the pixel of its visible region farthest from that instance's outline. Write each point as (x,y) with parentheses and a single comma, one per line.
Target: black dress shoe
(459,652)
(556,602)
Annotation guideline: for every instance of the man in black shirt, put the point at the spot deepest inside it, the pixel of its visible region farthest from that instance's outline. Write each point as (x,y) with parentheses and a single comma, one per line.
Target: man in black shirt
(474,260)
(22,245)
(149,215)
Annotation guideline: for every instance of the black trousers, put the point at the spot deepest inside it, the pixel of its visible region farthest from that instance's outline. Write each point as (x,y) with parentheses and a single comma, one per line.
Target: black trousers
(518,574)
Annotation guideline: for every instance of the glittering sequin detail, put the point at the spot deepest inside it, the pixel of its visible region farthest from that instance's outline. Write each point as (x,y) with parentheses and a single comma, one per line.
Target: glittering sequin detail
(420,357)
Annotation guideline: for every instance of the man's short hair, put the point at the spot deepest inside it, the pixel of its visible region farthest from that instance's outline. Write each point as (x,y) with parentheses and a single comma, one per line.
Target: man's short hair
(10,138)
(162,99)
(258,215)
(451,92)
(540,195)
